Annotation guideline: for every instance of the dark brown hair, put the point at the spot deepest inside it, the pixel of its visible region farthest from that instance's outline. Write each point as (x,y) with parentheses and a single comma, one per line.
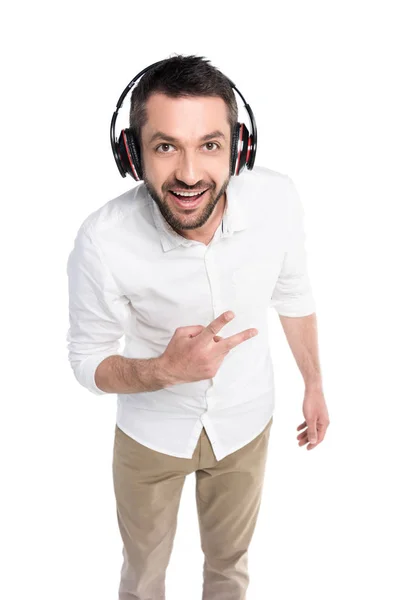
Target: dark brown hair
(181,76)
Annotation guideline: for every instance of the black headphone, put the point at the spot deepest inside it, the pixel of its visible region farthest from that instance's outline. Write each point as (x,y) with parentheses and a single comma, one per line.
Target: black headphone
(127,149)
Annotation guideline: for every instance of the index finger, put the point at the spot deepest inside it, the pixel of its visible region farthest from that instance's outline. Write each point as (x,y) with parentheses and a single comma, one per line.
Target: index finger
(217,324)
(226,344)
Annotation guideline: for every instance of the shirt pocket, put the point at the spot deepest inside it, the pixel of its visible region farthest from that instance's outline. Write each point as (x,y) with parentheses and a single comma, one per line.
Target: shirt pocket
(253,283)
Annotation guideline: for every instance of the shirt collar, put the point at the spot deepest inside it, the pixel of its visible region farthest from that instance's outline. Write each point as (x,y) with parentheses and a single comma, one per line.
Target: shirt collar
(233,219)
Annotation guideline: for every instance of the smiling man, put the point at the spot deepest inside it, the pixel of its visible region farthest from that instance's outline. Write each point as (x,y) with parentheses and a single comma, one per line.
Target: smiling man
(164,265)
(187,162)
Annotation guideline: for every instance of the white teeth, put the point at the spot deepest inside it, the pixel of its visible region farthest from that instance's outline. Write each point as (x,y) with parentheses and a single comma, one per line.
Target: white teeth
(187,193)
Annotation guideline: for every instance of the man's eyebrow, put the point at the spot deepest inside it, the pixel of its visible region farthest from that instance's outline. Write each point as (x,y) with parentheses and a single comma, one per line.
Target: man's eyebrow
(169,138)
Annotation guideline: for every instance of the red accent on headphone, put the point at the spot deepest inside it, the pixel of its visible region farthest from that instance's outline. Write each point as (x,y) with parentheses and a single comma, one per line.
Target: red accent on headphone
(129,156)
(248,149)
(240,151)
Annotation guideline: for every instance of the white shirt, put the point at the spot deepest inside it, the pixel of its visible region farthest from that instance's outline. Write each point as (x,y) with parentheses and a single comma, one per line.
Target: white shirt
(130,274)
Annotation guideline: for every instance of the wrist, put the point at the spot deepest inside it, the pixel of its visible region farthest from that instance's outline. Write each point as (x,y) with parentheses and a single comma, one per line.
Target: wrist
(313,385)
(164,373)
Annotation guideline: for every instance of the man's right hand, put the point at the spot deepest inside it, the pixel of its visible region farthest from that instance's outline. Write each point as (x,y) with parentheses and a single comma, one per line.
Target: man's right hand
(196,352)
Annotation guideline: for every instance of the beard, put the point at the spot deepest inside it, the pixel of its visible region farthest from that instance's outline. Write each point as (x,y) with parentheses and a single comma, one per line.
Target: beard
(180,222)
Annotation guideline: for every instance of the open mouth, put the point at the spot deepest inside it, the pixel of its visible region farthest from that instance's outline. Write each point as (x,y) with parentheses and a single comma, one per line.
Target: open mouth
(188,201)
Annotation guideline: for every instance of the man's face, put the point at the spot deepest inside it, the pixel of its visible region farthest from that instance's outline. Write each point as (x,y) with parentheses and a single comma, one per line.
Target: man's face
(186,148)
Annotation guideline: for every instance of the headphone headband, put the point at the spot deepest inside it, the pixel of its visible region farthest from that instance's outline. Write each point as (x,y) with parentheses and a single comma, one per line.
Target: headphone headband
(126,150)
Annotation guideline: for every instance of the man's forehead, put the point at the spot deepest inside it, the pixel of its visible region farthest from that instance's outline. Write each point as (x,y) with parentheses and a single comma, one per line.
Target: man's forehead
(197,117)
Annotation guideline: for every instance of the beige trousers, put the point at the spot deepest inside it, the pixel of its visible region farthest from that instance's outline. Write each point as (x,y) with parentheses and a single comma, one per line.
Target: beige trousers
(148,487)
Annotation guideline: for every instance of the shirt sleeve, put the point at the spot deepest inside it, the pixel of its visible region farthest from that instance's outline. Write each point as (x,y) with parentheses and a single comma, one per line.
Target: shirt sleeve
(292,295)
(96,311)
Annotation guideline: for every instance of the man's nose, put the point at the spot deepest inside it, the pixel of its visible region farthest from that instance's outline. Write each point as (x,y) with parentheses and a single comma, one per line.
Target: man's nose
(189,168)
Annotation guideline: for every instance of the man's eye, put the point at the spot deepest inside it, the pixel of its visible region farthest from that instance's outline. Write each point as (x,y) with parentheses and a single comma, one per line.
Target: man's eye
(162,145)
(211,144)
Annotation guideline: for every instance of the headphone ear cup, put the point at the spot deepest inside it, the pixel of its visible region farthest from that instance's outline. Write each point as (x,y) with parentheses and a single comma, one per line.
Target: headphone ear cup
(243,144)
(129,154)
(134,149)
(121,157)
(250,153)
(240,149)
(234,148)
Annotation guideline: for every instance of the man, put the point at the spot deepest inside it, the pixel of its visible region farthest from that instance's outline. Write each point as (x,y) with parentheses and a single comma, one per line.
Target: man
(195,382)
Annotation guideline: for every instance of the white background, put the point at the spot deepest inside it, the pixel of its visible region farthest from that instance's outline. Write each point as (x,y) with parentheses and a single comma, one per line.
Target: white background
(323,81)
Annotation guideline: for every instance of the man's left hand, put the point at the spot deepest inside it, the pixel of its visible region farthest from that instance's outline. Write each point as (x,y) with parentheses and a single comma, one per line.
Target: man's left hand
(317,419)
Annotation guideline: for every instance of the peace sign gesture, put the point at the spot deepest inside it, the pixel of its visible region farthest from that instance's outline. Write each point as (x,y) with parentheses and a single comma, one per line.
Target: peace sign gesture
(196,352)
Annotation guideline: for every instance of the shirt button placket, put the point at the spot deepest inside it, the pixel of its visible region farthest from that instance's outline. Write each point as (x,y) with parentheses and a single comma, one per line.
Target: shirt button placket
(213,275)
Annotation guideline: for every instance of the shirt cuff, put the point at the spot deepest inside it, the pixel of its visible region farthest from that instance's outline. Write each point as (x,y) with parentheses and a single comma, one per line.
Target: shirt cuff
(296,307)
(85,370)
